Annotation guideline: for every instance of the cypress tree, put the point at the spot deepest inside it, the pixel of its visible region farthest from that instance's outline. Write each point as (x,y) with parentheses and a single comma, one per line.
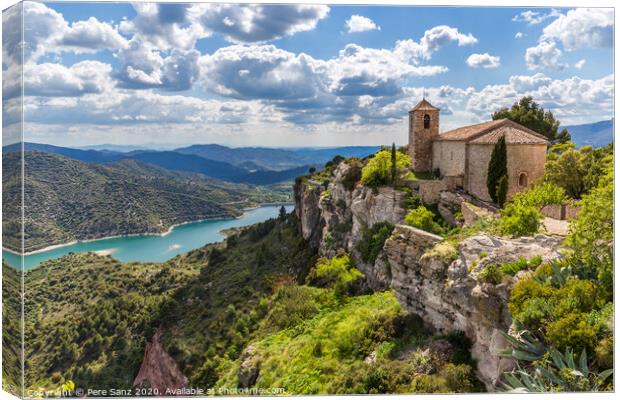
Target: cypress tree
(497,168)
(393,162)
(502,190)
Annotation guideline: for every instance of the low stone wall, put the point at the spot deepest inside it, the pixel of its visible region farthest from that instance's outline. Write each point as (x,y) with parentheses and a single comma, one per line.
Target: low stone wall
(570,211)
(554,211)
(429,190)
(561,212)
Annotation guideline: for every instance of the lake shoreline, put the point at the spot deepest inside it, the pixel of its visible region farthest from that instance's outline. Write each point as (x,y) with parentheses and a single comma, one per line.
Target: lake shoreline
(167,232)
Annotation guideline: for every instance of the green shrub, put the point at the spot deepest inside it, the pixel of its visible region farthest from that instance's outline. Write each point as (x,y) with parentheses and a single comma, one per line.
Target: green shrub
(423,218)
(571,331)
(535,312)
(491,274)
(512,268)
(604,353)
(353,174)
(378,170)
(591,235)
(569,316)
(520,220)
(289,306)
(458,378)
(535,262)
(429,384)
(521,264)
(524,290)
(337,272)
(541,195)
(412,201)
(373,240)
(521,216)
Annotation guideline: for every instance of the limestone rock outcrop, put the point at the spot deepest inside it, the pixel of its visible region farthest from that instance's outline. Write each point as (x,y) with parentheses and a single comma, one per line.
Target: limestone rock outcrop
(159,370)
(447,296)
(249,368)
(334,217)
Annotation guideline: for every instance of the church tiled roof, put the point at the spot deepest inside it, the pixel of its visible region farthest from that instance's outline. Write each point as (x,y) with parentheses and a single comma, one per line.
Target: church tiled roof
(424,105)
(491,131)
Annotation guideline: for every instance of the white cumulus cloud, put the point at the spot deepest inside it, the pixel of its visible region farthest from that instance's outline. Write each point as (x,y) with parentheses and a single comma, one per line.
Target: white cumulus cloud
(359,23)
(535,17)
(248,23)
(582,28)
(56,80)
(544,55)
(483,61)
(46,31)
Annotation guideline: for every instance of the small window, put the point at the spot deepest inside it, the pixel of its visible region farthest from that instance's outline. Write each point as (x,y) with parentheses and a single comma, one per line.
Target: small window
(427,121)
(522,179)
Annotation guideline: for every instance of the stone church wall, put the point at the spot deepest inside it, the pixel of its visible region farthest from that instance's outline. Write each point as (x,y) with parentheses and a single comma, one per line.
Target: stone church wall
(522,159)
(449,157)
(525,159)
(478,156)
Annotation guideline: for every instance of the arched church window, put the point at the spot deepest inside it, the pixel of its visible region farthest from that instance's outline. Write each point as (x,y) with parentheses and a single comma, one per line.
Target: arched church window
(427,121)
(522,179)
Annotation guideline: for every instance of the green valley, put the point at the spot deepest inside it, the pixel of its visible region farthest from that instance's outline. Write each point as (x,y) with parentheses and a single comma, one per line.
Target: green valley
(69,200)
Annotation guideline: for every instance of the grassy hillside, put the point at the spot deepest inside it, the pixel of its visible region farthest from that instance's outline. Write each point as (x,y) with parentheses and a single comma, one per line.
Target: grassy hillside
(89,317)
(211,320)
(67,199)
(11,330)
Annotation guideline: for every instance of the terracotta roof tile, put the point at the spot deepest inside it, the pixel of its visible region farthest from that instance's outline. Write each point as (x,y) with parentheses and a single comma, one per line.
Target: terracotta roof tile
(491,131)
(424,105)
(513,135)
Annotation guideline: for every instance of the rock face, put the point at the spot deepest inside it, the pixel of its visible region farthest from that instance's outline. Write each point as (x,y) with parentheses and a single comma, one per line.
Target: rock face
(430,277)
(448,297)
(159,370)
(249,368)
(334,217)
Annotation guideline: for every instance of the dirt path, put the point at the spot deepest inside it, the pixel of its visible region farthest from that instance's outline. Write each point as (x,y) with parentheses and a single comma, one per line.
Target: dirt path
(555,226)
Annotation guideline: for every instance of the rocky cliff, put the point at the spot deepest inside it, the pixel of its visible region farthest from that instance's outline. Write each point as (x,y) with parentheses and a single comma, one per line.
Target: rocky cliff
(433,278)
(334,216)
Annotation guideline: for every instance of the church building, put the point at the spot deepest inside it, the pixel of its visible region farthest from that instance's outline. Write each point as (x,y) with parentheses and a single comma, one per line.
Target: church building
(464,153)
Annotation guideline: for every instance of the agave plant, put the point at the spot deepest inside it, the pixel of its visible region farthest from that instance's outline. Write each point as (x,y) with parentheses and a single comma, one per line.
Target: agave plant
(542,369)
(561,273)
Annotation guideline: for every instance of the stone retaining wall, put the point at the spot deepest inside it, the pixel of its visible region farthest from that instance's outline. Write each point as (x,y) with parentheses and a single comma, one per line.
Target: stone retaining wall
(563,212)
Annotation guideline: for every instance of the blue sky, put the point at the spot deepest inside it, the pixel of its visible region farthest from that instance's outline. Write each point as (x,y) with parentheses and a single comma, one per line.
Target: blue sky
(297,75)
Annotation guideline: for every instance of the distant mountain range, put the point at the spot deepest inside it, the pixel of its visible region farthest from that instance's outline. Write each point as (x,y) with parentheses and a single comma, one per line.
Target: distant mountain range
(274,159)
(256,165)
(595,134)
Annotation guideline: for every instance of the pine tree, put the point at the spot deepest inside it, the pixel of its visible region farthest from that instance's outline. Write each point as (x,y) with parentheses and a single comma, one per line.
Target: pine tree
(394,168)
(497,168)
(282,214)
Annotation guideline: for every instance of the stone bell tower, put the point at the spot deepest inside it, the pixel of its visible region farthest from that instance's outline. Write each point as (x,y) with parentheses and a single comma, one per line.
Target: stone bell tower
(423,129)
